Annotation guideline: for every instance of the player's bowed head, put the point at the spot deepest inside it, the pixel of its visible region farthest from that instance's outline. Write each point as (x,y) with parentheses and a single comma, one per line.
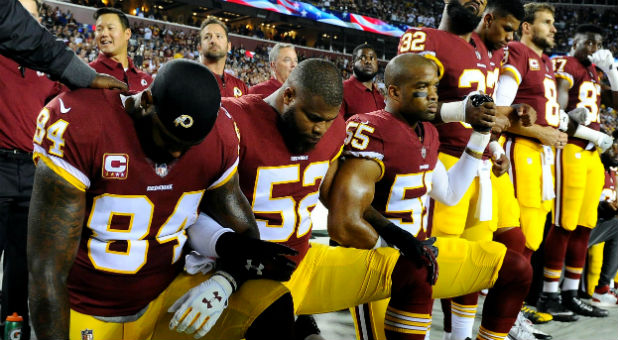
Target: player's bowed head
(177,111)
(308,103)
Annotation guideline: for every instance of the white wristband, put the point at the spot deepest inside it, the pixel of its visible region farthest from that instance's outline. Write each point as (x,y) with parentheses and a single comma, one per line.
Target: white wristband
(204,234)
(454,111)
(478,141)
(496,149)
(587,133)
(379,243)
(226,281)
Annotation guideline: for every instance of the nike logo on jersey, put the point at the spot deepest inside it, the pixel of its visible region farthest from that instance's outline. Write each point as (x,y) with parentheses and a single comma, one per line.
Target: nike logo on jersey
(63,109)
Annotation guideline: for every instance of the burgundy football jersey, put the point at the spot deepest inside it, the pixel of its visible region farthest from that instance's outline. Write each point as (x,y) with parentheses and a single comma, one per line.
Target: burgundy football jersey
(136,211)
(495,59)
(265,88)
(407,164)
(282,187)
(23,94)
(463,68)
(584,89)
(537,85)
(231,86)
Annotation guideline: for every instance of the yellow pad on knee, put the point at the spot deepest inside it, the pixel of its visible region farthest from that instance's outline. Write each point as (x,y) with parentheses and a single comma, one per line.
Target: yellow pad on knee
(466,267)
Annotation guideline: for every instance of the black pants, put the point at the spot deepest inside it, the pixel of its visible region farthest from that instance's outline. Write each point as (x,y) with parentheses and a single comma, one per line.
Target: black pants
(16,178)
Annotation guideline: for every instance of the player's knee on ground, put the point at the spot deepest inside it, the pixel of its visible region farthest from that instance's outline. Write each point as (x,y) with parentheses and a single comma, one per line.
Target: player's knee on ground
(276,322)
(516,272)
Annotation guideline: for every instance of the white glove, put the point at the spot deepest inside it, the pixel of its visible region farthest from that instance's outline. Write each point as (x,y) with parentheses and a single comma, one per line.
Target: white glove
(200,308)
(604,60)
(581,115)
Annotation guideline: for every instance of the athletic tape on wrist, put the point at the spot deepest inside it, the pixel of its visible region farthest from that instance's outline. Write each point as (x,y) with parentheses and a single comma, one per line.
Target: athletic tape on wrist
(496,149)
(478,142)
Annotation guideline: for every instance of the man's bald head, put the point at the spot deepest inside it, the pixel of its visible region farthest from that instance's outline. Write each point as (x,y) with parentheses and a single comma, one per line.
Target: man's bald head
(412,86)
(401,68)
(318,77)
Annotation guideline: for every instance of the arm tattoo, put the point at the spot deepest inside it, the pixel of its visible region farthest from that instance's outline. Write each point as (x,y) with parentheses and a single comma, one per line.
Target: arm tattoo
(229,206)
(55,222)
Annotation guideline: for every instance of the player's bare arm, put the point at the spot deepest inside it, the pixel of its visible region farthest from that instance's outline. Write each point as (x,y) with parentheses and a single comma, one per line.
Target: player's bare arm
(57,210)
(547,135)
(219,202)
(327,181)
(105,81)
(514,113)
(353,222)
(352,193)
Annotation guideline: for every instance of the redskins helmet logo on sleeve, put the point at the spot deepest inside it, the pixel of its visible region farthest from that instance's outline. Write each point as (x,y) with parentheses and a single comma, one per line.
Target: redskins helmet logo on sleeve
(185,121)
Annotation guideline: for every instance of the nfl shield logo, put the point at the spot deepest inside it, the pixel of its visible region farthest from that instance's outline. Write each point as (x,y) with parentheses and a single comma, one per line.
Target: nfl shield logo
(161,169)
(423,152)
(87,334)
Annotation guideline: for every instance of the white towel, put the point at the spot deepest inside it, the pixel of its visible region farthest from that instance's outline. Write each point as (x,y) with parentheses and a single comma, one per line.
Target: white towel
(547,160)
(195,262)
(484,205)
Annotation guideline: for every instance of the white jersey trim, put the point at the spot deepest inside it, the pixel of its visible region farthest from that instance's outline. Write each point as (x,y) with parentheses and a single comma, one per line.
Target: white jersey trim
(61,163)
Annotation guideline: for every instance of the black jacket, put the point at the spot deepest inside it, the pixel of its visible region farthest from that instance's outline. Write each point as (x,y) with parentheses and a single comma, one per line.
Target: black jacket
(24,40)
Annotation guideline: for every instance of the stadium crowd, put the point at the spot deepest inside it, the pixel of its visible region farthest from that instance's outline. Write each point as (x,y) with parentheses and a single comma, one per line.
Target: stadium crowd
(425,13)
(150,46)
(170,44)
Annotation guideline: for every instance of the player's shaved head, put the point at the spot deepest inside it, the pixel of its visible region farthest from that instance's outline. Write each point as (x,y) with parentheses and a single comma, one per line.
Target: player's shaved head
(317,77)
(401,68)
(412,86)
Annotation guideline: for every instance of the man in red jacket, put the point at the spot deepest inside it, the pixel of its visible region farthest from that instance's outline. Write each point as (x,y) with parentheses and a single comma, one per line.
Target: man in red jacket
(112,36)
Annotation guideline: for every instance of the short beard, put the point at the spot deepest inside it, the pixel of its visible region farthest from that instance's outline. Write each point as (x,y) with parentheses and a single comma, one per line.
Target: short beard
(363,76)
(543,44)
(463,20)
(215,55)
(295,143)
